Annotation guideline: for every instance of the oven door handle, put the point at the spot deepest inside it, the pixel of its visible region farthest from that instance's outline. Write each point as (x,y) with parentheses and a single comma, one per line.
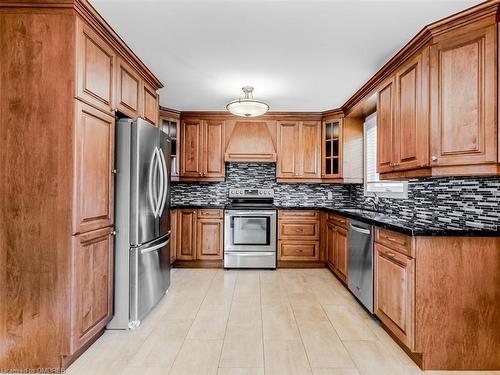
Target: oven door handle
(250,213)
(251,254)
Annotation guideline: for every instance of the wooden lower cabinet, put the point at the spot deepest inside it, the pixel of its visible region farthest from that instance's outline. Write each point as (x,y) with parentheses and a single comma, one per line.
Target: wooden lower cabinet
(395,293)
(336,246)
(199,234)
(209,239)
(340,253)
(186,234)
(173,236)
(92,287)
(298,235)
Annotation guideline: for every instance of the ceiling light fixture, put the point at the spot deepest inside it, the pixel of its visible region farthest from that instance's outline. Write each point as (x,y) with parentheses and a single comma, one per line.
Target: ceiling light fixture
(247,106)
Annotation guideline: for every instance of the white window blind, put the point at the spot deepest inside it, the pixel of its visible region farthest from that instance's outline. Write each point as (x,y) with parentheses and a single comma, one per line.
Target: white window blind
(388,189)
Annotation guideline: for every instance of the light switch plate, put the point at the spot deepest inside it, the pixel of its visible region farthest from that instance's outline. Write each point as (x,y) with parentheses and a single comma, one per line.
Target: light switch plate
(330,195)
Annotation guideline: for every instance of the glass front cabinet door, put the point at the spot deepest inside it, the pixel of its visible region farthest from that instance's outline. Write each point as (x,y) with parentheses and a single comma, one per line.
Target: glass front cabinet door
(331,163)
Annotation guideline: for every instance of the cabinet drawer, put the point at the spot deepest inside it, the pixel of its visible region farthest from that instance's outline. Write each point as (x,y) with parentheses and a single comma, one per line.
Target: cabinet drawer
(338,220)
(295,229)
(396,241)
(298,250)
(303,214)
(206,213)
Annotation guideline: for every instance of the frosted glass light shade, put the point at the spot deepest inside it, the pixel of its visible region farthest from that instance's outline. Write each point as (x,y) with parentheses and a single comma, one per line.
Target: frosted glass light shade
(247,107)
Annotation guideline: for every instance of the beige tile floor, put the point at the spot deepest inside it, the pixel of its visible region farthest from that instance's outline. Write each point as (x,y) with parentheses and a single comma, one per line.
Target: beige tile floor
(300,321)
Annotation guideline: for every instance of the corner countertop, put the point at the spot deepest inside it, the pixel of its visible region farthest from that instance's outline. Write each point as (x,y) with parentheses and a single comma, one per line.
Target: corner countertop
(391,222)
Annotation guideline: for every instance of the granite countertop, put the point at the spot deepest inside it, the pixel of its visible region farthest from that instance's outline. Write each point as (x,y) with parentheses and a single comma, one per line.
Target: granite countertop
(398,224)
(198,206)
(391,222)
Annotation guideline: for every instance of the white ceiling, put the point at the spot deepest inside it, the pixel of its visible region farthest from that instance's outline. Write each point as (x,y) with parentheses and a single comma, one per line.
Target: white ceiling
(300,55)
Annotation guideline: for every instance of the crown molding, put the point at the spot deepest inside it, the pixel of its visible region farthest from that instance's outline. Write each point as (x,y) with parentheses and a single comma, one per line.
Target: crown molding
(269,116)
(423,38)
(90,15)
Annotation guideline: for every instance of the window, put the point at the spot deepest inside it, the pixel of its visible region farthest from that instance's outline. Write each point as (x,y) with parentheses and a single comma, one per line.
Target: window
(385,189)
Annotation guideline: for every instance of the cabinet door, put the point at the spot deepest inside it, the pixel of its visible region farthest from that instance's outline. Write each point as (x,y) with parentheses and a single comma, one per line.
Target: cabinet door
(209,239)
(128,85)
(394,292)
(92,289)
(464,99)
(310,144)
(94,165)
(186,234)
(330,245)
(341,253)
(331,149)
(411,126)
(385,127)
(173,236)
(191,139)
(150,110)
(213,149)
(95,64)
(288,150)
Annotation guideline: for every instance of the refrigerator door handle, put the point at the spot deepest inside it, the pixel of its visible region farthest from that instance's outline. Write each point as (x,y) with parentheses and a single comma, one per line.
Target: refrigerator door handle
(162,182)
(152,165)
(156,247)
(165,180)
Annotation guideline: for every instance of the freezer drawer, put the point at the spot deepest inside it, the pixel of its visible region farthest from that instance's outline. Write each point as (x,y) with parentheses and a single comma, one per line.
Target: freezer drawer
(149,276)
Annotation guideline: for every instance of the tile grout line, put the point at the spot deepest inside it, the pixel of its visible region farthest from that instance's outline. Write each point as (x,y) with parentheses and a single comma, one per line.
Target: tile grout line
(227,321)
(192,322)
(300,334)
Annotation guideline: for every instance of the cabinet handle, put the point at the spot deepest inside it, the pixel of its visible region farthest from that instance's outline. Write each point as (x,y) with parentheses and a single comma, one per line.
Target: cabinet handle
(114,171)
(434,158)
(113,233)
(390,254)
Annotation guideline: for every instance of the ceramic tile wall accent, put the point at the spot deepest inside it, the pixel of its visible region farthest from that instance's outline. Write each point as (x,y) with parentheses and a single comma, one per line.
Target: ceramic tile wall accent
(451,202)
(259,175)
(472,202)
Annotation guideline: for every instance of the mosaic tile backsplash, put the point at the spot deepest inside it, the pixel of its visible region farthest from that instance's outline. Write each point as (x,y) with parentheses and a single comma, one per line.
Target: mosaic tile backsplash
(456,203)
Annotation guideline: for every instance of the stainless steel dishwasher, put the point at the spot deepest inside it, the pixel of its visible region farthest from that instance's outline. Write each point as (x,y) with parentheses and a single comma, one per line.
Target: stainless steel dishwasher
(360,272)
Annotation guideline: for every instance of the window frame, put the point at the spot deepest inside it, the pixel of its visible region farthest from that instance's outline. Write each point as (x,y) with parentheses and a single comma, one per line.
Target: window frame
(403,194)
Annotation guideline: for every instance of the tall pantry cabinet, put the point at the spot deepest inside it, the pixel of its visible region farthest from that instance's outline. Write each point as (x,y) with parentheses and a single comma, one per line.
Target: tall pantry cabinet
(63,73)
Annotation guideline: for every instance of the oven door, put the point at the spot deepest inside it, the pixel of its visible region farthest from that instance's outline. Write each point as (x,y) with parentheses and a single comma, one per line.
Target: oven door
(250,230)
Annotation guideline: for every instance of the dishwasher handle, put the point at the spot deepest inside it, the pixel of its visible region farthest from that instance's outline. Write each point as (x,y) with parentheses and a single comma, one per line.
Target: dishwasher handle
(360,230)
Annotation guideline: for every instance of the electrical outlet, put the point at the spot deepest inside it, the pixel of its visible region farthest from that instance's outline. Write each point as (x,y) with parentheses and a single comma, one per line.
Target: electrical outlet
(330,195)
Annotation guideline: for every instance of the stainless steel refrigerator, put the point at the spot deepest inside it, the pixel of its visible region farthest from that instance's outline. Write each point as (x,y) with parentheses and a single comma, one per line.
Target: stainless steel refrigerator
(142,199)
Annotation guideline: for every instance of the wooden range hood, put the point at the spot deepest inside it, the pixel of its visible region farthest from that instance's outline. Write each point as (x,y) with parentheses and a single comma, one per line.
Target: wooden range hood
(250,141)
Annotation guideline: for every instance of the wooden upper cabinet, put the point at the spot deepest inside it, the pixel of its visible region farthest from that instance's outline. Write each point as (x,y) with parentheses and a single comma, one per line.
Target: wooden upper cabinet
(385,126)
(411,125)
(128,85)
(288,149)
(202,150)
(92,287)
(310,137)
(331,149)
(150,108)
(464,98)
(299,150)
(395,292)
(191,148)
(186,234)
(94,165)
(213,149)
(210,240)
(95,68)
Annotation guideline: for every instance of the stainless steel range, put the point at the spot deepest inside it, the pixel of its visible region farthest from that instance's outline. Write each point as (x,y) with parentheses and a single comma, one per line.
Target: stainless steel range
(250,229)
